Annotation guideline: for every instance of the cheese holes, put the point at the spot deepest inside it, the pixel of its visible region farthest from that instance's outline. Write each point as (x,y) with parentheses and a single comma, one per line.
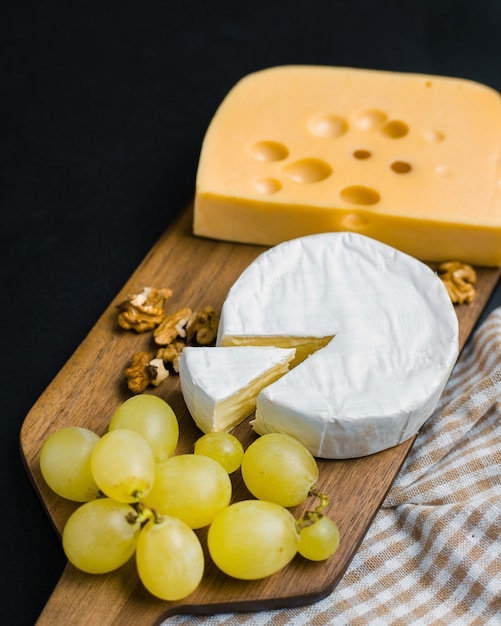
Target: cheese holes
(401,167)
(308,170)
(267,186)
(353,221)
(359,194)
(362,155)
(434,136)
(395,129)
(269,151)
(327,126)
(369,119)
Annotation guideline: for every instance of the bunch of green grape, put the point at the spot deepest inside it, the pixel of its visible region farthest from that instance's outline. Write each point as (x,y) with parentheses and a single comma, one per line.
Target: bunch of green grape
(139,499)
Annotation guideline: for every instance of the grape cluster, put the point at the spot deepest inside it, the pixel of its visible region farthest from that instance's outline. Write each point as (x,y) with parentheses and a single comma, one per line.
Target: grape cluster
(137,497)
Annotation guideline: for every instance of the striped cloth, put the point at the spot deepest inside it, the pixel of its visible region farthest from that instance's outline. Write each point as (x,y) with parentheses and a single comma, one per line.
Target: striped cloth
(433,553)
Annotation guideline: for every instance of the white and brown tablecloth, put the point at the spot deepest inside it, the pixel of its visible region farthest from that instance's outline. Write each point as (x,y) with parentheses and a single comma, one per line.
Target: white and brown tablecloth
(433,553)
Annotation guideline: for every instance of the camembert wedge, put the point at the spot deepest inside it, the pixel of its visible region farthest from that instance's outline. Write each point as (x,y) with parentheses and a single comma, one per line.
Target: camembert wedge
(220,385)
(394,340)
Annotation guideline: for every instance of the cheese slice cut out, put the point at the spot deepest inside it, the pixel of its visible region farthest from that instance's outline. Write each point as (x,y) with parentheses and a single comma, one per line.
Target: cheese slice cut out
(411,160)
(220,385)
(304,346)
(395,340)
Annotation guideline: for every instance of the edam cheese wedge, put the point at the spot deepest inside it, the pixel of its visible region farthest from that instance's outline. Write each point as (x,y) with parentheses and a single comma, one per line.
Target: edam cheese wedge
(394,341)
(411,160)
(220,385)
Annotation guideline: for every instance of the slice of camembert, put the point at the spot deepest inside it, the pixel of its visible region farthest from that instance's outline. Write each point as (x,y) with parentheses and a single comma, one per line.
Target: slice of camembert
(411,160)
(395,340)
(220,385)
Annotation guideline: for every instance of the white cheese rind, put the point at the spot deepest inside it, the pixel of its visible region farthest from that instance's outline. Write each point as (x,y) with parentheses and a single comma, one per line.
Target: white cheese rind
(210,376)
(396,340)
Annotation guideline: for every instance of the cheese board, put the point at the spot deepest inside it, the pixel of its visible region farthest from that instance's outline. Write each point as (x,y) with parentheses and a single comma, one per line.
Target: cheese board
(91,386)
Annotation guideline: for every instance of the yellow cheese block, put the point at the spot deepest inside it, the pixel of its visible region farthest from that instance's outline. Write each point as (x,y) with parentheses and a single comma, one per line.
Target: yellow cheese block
(411,160)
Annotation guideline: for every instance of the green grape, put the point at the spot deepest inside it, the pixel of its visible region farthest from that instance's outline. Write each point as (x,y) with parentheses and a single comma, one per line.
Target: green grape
(170,559)
(65,463)
(252,539)
(152,418)
(223,447)
(278,468)
(192,487)
(318,540)
(123,465)
(98,537)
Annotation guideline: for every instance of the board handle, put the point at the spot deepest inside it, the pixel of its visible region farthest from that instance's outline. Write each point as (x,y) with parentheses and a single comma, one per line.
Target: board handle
(114,598)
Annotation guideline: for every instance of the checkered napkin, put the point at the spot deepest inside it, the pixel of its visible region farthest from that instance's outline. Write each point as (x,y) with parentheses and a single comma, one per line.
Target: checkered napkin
(433,553)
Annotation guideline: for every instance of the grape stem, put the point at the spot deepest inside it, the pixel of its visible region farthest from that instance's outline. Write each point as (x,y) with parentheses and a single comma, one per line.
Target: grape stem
(308,518)
(324,500)
(142,515)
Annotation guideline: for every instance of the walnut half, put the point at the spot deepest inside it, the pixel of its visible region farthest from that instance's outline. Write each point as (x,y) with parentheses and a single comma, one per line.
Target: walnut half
(138,375)
(172,327)
(144,371)
(458,279)
(171,353)
(202,326)
(143,311)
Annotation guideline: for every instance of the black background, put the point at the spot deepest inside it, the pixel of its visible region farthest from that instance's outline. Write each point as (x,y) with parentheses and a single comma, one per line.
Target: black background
(103,108)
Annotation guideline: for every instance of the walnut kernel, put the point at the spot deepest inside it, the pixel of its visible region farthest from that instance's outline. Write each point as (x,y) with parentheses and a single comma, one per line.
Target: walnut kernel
(171,353)
(172,327)
(138,374)
(143,311)
(202,326)
(458,279)
(157,371)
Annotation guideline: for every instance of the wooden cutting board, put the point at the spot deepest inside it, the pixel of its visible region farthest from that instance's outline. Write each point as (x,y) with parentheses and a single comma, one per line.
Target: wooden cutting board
(91,386)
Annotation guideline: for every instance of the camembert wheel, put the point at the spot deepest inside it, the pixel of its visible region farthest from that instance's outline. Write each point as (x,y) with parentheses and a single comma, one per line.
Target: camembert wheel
(376,333)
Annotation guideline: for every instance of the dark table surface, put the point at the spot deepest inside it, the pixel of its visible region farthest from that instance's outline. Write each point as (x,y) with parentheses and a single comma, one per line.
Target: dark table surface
(103,110)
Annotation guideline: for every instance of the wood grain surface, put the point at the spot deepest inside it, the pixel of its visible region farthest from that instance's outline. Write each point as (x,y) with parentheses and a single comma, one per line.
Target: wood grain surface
(90,387)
